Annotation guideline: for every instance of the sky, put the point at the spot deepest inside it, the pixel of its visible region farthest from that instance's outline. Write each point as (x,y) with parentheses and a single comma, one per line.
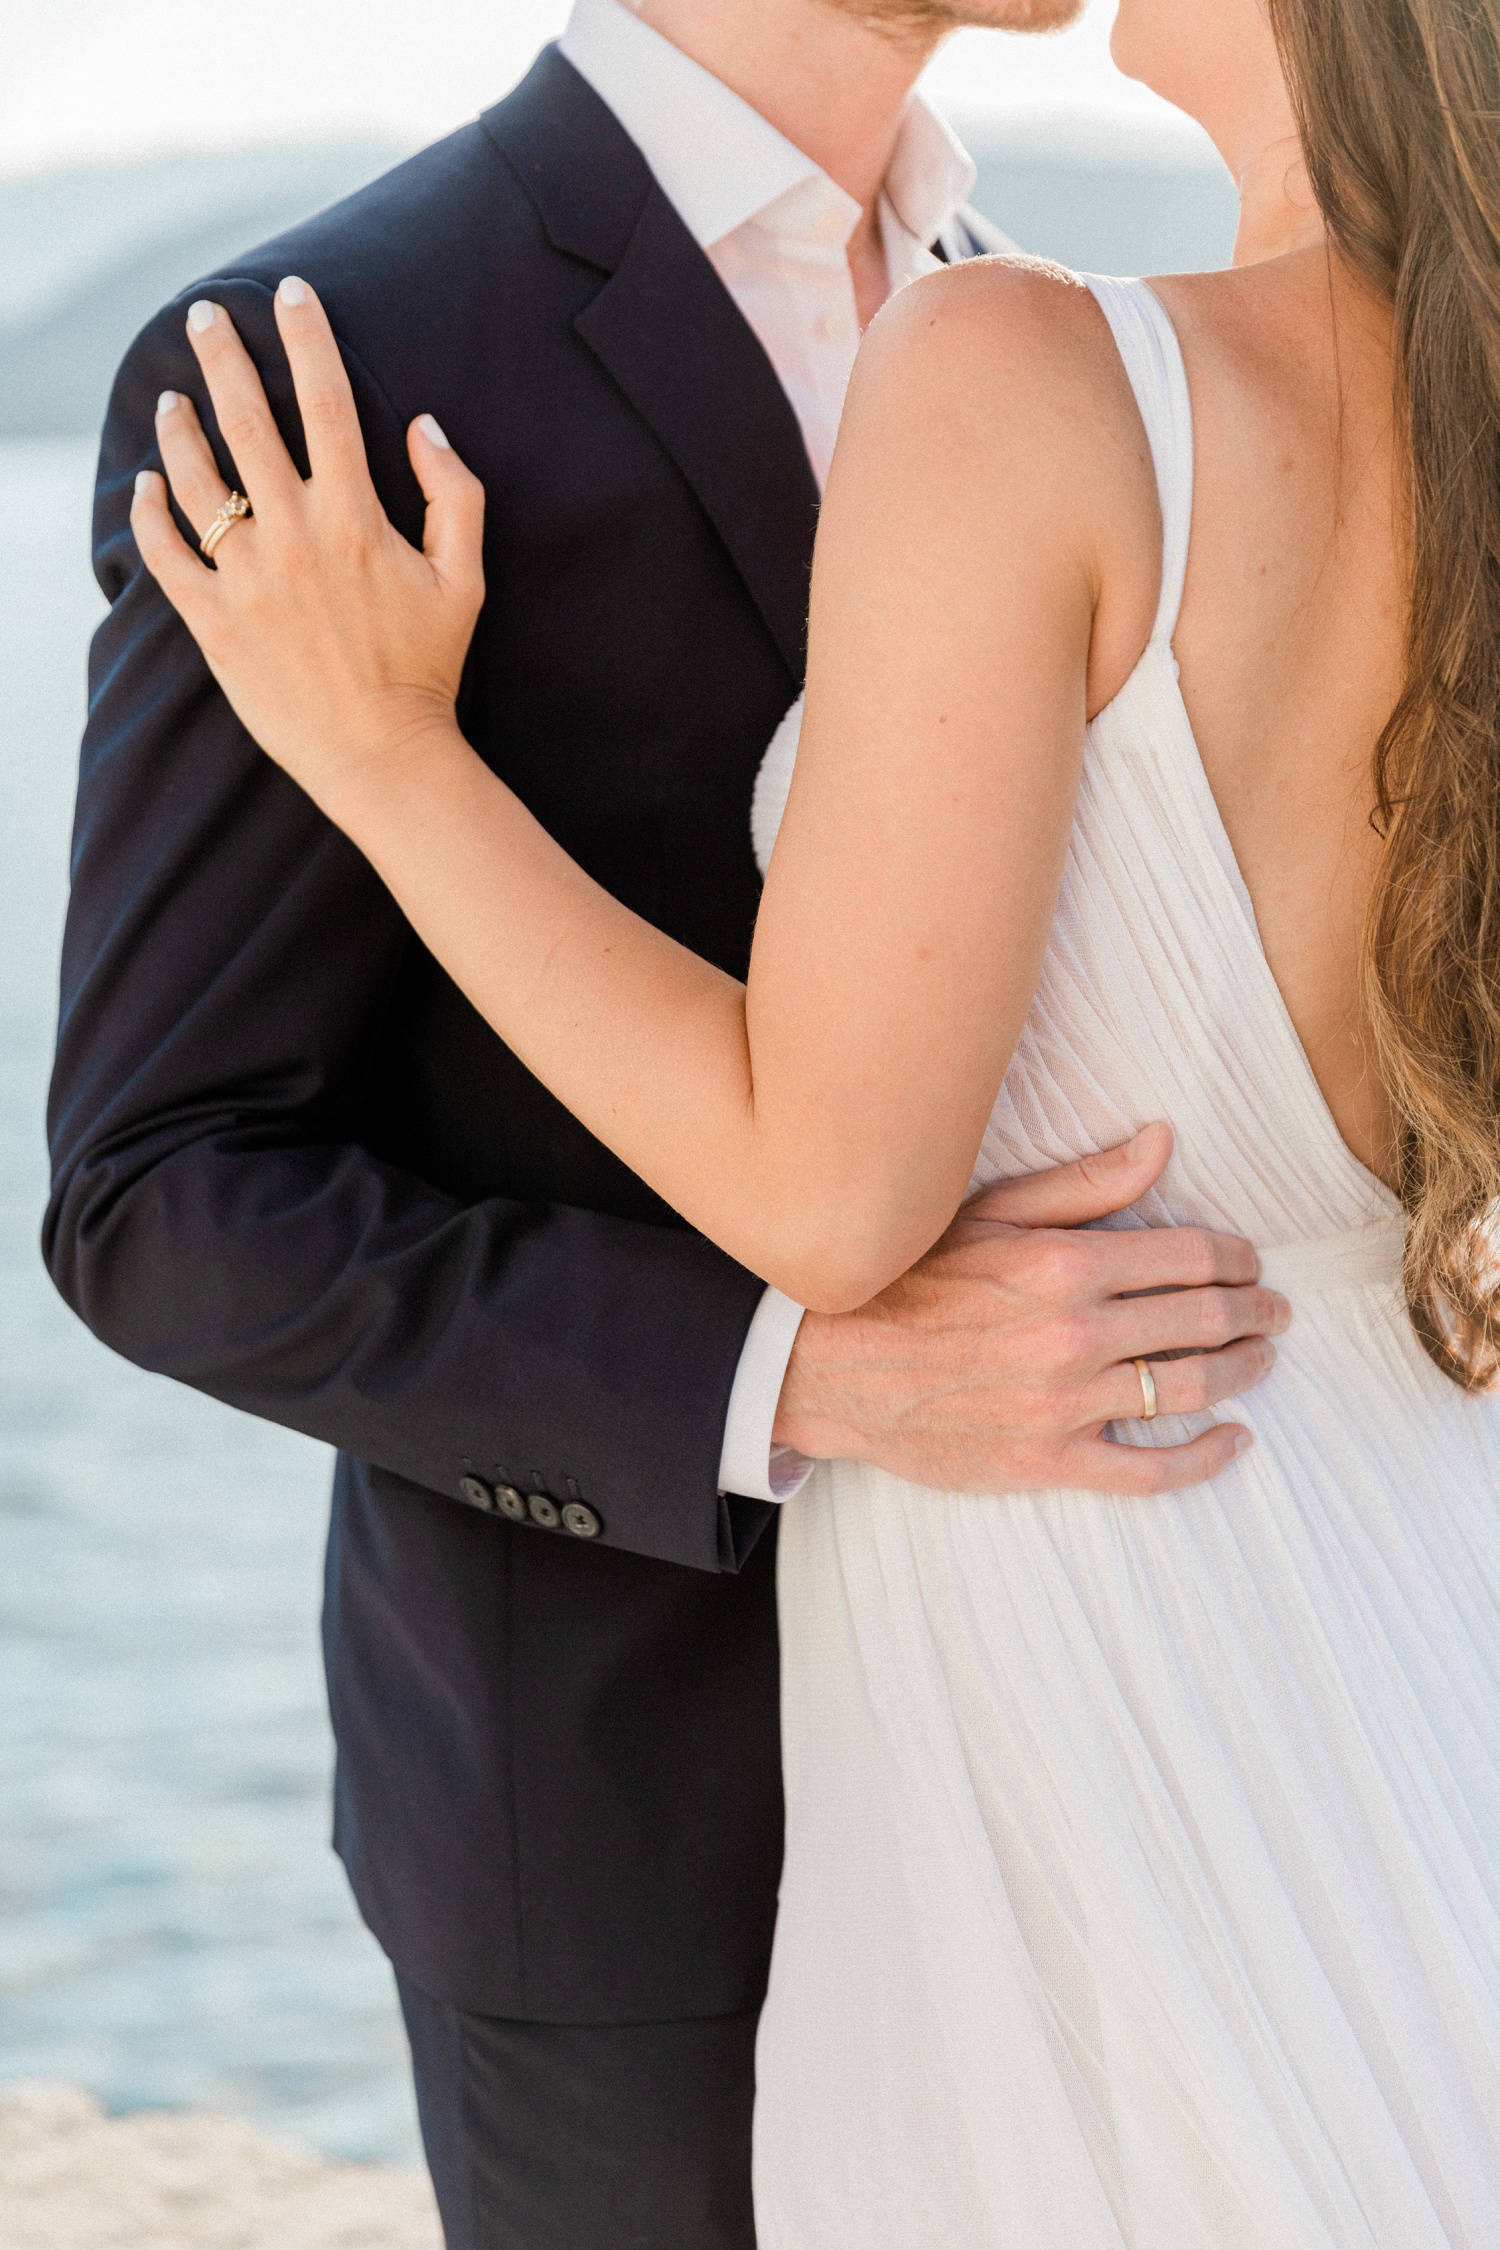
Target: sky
(103,79)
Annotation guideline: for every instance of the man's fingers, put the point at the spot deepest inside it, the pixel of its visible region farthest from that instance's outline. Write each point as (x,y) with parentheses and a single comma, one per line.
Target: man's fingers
(335,443)
(1185,1386)
(192,472)
(164,551)
(266,470)
(1143,1472)
(1072,1195)
(1191,1320)
(1135,1259)
(453,535)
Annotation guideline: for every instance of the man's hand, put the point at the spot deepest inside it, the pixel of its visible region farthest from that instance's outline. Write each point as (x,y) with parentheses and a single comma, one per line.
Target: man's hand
(995,1364)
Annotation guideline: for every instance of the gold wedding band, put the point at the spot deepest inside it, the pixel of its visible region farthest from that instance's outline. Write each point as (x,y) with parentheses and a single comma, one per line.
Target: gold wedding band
(234,511)
(1148,1390)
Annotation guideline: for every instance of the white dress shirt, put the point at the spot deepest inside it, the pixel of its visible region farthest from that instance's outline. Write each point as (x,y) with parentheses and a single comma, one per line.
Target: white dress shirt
(776,230)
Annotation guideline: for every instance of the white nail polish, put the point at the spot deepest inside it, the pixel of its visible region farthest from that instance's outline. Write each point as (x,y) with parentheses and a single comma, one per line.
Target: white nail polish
(432,430)
(293,291)
(168,403)
(201,315)
(143,484)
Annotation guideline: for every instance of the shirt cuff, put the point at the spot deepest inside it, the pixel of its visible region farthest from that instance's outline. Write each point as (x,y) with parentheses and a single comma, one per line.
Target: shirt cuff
(750,1463)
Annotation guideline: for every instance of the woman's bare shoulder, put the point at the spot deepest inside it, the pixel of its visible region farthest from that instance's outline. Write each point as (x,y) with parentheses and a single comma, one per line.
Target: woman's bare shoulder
(997,386)
(1023,319)
(1009,358)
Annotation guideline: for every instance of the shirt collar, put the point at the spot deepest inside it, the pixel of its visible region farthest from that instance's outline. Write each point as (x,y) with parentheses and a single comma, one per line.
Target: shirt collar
(717,160)
(930,175)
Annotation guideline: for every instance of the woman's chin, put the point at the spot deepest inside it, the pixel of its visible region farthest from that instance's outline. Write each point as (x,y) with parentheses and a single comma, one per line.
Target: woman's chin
(1121,55)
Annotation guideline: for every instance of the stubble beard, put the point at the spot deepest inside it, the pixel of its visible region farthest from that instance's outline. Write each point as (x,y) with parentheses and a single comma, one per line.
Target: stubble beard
(921,22)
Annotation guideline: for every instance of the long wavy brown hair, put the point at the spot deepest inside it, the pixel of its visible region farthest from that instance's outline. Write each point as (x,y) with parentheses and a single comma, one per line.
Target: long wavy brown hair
(1398,106)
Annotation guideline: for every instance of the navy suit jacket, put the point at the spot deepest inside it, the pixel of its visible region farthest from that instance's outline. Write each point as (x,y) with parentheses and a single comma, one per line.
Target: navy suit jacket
(295,1169)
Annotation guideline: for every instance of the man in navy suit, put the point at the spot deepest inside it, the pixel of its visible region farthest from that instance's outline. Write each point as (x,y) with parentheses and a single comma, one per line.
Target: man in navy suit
(294,1168)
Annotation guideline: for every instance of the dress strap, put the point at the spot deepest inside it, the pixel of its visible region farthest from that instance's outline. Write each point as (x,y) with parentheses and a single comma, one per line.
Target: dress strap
(1147,343)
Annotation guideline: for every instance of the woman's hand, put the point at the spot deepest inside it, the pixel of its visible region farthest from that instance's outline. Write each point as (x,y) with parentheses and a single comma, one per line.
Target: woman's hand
(338,645)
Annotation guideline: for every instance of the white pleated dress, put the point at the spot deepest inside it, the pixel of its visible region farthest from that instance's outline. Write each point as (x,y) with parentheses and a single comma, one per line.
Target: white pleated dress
(1142,1885)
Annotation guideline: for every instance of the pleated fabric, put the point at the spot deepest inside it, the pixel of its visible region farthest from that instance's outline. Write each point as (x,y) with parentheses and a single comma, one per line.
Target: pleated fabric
(1142,1887)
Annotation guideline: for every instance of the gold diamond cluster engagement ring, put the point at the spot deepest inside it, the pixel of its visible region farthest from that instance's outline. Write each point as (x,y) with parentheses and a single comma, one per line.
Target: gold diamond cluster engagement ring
(234,511)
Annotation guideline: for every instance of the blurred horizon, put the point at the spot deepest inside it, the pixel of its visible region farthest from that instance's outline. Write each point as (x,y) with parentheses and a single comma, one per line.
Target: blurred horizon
(91,81)
(94,250)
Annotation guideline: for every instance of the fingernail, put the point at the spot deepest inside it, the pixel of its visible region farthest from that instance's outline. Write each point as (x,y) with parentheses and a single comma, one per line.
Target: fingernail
(1243,1441)
(143,484)
(1283,1314)
(433,431)
(168,403)
(201,315)
(292,291)
(1136,1149)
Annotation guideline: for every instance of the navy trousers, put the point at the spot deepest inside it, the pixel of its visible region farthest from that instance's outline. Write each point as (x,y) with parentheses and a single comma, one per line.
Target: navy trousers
(547,2136)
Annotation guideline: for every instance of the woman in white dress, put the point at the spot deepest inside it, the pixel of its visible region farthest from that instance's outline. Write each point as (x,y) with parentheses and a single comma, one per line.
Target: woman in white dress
(1143,1863)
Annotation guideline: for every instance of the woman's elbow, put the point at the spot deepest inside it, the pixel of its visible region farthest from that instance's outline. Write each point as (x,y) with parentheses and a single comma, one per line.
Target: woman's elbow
(818,1290)
(842,1268)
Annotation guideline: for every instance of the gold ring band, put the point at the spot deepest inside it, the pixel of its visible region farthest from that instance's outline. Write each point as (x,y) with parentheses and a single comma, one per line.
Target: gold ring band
(1148,1390)
(234,510)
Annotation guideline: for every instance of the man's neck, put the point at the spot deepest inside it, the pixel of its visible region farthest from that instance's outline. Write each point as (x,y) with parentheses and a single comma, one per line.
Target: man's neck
(833,86)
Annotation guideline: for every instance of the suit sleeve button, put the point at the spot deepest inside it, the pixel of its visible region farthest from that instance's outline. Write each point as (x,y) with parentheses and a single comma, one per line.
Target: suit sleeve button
(581,1520)
(543,1511)
(510,1502)
(477,1493)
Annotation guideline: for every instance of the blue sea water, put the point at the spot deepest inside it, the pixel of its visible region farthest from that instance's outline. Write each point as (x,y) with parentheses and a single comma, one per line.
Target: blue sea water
(173,1925)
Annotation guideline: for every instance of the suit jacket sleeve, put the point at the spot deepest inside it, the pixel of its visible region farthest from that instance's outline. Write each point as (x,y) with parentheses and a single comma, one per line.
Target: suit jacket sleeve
(215,1216)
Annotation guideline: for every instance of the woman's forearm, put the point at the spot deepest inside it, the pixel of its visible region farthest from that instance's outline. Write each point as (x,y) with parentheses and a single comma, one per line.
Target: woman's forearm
(645,1042)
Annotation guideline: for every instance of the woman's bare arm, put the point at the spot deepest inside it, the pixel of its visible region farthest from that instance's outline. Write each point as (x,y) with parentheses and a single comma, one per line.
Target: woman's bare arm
(821,1122)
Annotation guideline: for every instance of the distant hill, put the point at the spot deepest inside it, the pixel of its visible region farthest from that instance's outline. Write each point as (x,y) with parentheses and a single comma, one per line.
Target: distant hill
(1100,195)
(90,253)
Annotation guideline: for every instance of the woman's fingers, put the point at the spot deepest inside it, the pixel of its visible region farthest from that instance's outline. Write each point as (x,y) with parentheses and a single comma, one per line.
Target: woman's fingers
(335,442)
(167,555)
(268,475)
(192,471)
(453,534)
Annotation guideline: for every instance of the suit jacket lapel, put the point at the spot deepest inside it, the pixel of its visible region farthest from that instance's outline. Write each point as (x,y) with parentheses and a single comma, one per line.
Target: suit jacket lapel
(672,338)
(676,343)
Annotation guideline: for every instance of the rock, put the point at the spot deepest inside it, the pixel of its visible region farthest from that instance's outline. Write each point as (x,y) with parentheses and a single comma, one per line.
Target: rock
(73,2179)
